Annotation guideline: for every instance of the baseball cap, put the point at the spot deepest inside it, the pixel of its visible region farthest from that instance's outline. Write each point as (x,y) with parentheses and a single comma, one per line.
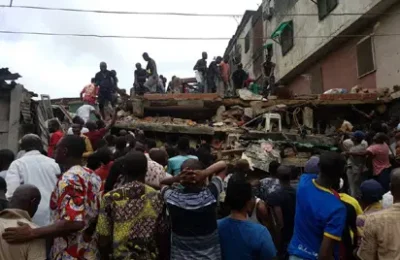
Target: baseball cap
(371,191)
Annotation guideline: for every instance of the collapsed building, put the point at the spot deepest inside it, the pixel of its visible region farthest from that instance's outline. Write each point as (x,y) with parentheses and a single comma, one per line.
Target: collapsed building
(286,130)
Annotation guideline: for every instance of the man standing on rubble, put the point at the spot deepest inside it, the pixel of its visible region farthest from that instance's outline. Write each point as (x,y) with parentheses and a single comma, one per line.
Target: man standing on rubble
(214,75)
(105,81)
(152,75)
(225,86)
(269,77)
(201,71)
(140,79)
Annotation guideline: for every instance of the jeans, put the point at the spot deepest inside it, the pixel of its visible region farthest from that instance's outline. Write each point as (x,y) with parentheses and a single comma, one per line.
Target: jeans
(354,178)
(384,179)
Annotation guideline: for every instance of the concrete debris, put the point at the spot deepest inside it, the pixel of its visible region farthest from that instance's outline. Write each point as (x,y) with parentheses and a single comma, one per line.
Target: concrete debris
(262,153)
(247,95)
(219,114)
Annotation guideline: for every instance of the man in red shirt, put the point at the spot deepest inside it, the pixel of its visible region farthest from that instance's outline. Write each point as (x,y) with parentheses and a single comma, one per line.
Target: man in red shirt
(94,134)
(89,93)
(56,135)
(105,157)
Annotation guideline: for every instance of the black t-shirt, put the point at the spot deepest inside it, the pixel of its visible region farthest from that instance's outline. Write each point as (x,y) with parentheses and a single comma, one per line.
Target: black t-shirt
(213,70)
(152,67)
(238,77)
(201,66)
(106,82)
(141,76)
(285,198)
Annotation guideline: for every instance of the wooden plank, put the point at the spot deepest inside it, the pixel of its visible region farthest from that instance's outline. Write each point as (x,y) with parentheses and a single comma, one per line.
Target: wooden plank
(15,105)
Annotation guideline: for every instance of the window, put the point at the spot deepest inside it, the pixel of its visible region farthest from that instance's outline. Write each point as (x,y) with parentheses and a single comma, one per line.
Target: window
(247,43)
(284,36)
(365,57)
(287,39)
(325,7)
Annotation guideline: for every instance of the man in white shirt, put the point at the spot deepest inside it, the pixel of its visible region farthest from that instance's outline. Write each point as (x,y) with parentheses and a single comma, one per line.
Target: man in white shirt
(35,169)
(85,111)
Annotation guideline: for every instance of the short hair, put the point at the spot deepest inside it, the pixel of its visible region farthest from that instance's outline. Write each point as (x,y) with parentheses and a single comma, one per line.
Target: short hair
(75,145)
(238,193)
(183,144)
(105,155)
(91,125)
(3,184)
(284,173)
(54,123)
(6,158)
(120,143)
(93,161)
(135,164)
(110,139)
(93,80)
(78,120)
(273,167)
(381,138)
(150,144)
(192,164)
(158,155)
(331,164)
(31,142)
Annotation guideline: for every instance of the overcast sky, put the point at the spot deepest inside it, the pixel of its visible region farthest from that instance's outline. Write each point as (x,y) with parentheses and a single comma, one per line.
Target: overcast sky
(61,66)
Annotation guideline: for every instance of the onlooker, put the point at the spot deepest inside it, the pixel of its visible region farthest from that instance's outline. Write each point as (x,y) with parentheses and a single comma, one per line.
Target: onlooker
(152,74)
(3,190)
(79,121)
(35,169)
(140,79)
(105,81)
(85,111)
(356,165)
(94,134)
(192,211)
(6,158)
(74,206)
(320,215)
(283,201)
(269,184)
(110,139)
(23,207)
(382,229)
(56,135)
(201,71)
(239,77)
(120,147)
(175,163)
(371,194)
(213,75)
(379,153)
(93,161)
(132,234)
(160,156)
(312,165)
(105,157)
(155,171)
(89,93)
(76,130)
(225,76)
(239,238)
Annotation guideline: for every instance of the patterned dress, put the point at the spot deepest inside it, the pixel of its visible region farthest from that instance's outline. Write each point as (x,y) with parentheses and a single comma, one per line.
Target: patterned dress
(132,217)
(75,198)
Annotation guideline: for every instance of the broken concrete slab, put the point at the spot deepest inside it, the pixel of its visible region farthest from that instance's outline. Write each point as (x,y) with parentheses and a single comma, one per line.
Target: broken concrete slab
(247,95)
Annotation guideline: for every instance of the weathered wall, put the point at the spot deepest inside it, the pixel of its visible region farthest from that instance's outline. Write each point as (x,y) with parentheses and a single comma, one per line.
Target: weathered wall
(247,59)
(311,26)
(387,49)
(336,70)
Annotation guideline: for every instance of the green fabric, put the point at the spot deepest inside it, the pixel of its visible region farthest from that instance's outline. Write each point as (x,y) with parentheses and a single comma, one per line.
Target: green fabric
(280,29)
(267,45)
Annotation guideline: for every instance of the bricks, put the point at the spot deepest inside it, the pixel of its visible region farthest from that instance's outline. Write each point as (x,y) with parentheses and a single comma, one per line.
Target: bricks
(368,96)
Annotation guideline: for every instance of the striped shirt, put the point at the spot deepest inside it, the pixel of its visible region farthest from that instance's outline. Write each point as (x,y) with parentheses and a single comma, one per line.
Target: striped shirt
(194,221)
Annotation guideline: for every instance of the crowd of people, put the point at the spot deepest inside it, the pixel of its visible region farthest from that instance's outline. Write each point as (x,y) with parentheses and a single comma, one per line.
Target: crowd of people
(95,195)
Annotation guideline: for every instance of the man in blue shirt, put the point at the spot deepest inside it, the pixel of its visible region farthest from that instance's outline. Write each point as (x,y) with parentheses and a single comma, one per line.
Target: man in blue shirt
(320,215)
(175,163)
(241,239)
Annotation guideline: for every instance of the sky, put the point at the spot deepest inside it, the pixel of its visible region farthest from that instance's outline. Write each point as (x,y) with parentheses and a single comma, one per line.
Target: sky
(60,66)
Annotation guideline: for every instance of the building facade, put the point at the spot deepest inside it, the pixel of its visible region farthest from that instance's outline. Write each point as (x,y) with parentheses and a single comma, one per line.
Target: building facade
(323,44)
(246,45)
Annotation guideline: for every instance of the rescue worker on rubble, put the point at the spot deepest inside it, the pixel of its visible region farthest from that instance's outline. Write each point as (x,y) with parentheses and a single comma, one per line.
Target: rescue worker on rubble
(152,73)
(140,79)
(201,71)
